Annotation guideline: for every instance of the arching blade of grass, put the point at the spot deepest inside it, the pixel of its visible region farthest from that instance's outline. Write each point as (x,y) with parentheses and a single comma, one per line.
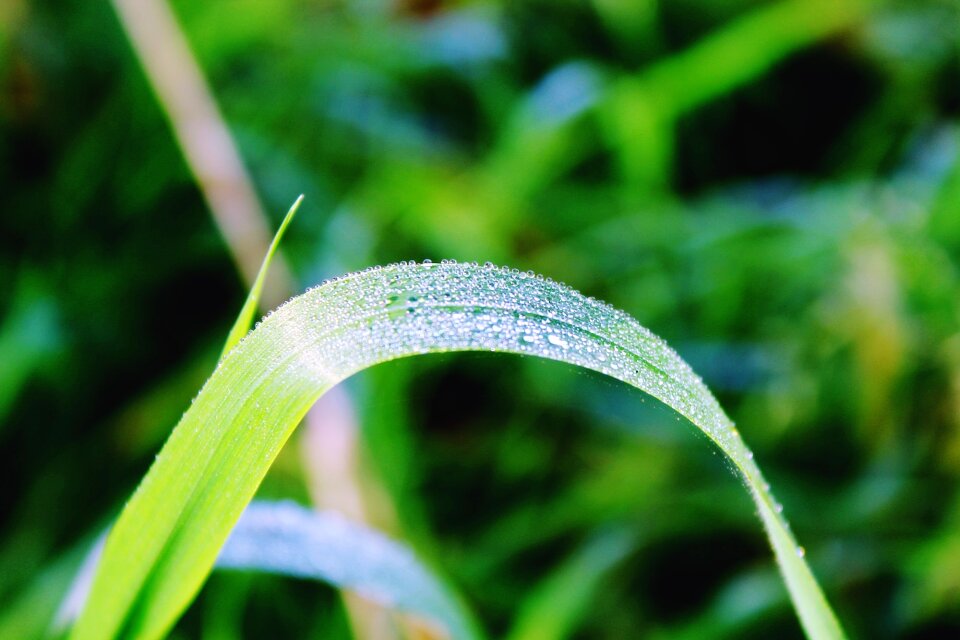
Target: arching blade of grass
(288,539)
(167,538)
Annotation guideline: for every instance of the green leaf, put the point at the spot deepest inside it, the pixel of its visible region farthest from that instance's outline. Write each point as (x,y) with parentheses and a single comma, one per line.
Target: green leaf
(556,605)
(249,309)
(33,612)
(288,539)
(168,536)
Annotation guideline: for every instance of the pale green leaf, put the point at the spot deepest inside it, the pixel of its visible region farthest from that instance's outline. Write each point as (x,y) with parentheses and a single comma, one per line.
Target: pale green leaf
(288,539)
(168,536)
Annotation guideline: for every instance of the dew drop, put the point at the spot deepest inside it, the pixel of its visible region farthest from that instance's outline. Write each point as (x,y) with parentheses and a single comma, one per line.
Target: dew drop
(557,341)
(801,552)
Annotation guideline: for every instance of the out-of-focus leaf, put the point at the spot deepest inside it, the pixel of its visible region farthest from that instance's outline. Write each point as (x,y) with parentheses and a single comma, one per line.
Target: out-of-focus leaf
(552,611)
(287,539)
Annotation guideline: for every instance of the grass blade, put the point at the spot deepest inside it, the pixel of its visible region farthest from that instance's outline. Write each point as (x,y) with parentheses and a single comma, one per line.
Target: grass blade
(553,609)
(168,536)
(288,539)
(249,309)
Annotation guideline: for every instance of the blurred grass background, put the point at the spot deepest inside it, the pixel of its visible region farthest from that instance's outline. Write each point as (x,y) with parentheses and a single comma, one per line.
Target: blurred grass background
(773,187)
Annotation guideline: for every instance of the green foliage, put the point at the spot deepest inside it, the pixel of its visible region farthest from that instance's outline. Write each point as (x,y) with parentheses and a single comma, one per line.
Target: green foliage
(169,534)
(554,609)
(249,310)
(772,186)
(286,539)
(290,540)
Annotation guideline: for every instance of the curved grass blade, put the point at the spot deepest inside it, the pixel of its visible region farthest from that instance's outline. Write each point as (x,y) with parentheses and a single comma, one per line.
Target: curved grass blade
(288,539)
(167,538)
(249,309)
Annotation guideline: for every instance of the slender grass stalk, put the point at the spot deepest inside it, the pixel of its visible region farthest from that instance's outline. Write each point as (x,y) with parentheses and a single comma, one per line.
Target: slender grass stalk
(249,309)
(168,536)
(203,136)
